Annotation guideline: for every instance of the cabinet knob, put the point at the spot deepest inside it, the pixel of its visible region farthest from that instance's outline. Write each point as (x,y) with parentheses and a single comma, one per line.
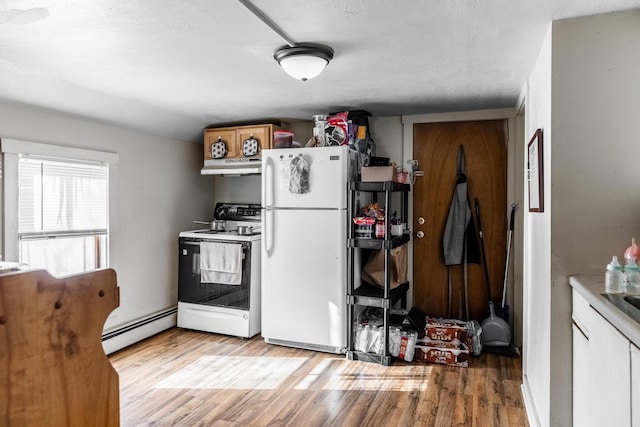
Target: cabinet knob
(420,234)
(421,221)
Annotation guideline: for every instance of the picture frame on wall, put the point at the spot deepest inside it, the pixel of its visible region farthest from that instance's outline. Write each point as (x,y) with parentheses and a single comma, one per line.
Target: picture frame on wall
(535,175)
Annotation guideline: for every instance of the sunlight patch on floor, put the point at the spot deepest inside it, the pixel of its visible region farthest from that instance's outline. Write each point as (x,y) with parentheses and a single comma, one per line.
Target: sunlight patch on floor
(339,374)
(315,374)
(267,373)
(371,376)
(231,372)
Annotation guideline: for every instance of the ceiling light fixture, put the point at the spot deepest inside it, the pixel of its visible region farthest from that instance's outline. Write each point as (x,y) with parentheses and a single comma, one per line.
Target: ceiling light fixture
(302,61)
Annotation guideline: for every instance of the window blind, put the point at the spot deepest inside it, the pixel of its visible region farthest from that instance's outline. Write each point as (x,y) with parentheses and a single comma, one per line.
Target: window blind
(60,197)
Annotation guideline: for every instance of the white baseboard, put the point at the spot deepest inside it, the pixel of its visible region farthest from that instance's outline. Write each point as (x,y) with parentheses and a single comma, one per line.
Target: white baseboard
(125,335)
(530,407)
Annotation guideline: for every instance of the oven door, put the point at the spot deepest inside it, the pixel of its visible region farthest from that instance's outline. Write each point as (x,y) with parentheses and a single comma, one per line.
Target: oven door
(190,286)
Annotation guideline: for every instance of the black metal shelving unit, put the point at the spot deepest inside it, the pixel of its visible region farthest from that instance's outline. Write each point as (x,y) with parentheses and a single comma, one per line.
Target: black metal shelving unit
(371,296)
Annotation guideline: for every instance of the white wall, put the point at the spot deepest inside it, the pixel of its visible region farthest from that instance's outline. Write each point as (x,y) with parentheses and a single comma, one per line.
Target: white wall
(589,109)
(596,113)
(387,134)
(159,192)
(537,246)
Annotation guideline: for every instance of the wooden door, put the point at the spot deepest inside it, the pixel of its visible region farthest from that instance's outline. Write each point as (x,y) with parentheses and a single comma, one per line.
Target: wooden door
(435,146)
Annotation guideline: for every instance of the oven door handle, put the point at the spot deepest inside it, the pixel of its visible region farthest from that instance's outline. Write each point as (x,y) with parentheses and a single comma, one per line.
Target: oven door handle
(195,264)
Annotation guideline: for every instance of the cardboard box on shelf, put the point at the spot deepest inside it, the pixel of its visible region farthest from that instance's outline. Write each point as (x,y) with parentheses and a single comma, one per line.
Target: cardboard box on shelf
(377,173)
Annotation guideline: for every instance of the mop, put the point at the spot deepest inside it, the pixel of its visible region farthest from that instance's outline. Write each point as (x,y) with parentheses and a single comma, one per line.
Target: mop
(459,243)
(496,335)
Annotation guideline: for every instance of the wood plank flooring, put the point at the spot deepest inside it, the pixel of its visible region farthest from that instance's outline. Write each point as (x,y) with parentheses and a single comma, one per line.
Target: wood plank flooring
(188,378)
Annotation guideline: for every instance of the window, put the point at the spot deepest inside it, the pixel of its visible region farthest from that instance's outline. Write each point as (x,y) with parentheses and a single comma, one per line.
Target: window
(62,214)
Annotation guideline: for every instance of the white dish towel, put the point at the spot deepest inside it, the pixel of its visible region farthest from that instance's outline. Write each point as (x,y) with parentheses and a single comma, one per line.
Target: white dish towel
(220,263)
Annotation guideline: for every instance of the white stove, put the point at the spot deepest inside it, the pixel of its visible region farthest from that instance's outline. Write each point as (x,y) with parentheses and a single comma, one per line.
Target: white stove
(210,298)
(234,215)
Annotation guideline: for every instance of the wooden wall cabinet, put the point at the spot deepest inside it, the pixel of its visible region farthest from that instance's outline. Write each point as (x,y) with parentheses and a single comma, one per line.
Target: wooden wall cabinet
(234,138)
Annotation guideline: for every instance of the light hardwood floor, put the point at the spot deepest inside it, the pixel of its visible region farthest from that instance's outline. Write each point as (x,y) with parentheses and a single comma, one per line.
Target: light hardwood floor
(190,378)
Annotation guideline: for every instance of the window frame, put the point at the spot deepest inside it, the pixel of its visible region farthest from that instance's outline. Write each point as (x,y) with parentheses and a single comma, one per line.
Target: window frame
(11,150)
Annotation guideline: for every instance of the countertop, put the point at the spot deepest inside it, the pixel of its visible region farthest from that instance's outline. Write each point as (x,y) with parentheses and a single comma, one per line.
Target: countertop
(590,287)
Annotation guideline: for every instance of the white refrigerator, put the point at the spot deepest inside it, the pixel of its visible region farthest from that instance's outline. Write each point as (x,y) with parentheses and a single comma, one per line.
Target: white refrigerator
(304,247)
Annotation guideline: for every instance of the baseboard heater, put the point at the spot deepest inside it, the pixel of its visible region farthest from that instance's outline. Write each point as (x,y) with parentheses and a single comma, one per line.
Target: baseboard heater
(137,330)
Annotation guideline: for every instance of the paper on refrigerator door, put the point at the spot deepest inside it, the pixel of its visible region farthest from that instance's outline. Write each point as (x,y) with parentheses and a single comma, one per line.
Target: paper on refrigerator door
(284,170)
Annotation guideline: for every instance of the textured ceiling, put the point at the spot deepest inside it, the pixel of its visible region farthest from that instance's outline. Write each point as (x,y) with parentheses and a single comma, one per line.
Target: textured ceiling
(173,68)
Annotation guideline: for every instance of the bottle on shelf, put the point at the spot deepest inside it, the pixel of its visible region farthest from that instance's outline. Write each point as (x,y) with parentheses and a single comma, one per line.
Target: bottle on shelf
(632,277)
(394,340)
(613,280)
(380,231)
(633,251)
(404,340)
(411,346)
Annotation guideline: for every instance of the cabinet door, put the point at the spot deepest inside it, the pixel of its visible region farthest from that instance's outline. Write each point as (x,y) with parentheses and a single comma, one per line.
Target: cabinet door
(264,135)
(228,135)
(610,373)
(580,378)
(635,386)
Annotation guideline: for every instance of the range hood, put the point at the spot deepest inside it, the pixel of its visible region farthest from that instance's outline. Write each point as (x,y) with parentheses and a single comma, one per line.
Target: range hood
(237,166)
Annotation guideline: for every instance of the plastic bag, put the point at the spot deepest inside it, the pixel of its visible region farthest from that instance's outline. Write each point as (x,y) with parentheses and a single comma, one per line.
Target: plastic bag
(299,176)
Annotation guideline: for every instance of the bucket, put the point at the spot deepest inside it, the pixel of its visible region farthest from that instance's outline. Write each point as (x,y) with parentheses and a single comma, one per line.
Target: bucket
(282,139)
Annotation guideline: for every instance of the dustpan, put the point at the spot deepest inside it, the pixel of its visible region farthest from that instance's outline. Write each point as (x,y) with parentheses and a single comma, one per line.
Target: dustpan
(495,331)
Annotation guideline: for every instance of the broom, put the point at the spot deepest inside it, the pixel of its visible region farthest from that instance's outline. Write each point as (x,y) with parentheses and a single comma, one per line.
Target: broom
(496,335)
(503,310)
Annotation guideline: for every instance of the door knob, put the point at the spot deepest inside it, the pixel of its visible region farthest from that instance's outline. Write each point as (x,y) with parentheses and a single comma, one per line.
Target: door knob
(421,220)
(420,234)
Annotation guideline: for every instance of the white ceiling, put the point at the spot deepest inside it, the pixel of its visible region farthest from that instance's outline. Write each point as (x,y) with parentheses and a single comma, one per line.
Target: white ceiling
(173,68)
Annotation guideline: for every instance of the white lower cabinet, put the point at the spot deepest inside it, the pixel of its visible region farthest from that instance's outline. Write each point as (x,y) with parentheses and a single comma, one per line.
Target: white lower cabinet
(601,370)
(635,386)
(610,376)
(580,377)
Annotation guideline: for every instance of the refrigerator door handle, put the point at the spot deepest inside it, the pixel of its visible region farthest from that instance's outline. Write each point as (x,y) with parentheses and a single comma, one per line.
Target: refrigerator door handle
(266,229)
(268,249)
(266,180)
